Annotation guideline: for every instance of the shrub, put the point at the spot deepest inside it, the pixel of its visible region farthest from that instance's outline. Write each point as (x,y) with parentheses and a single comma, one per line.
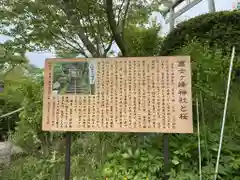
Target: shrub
(219,29)
(142,41)
(35,168)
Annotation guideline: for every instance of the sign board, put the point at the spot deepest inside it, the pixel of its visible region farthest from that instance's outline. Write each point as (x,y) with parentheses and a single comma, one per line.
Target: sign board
(142,94)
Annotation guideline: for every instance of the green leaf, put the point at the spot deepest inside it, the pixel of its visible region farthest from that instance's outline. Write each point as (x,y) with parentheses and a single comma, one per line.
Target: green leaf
(126,155)
(175,162)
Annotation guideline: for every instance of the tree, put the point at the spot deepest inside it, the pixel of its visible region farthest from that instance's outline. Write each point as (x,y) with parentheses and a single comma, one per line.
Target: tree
(15,73)
(10,57)
(143,41)
(75,27)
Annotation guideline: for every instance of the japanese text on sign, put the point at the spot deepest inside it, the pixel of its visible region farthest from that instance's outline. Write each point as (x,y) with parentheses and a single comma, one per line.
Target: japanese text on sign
(150,94)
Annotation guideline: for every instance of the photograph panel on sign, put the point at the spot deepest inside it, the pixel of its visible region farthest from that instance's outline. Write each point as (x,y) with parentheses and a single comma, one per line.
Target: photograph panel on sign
(77,78)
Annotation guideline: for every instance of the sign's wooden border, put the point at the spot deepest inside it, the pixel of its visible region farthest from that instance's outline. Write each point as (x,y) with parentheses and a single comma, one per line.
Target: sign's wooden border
(134,94)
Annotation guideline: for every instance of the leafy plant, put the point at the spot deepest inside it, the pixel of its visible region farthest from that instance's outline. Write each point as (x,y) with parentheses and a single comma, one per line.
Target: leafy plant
(218,29)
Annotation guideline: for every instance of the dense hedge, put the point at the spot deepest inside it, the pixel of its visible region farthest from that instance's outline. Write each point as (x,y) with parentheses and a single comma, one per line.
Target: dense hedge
(221,29)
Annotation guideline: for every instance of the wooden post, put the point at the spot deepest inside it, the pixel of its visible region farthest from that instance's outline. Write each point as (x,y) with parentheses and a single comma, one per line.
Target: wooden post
(68,156)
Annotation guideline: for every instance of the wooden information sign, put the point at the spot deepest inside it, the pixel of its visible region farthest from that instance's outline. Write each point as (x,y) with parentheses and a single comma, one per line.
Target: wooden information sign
(143,94)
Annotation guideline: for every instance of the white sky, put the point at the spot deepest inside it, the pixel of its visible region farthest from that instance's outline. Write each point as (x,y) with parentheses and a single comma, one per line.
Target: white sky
(39,58)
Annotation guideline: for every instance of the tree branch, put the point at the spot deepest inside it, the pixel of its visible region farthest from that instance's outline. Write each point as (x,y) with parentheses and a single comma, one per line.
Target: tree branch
(99,31)
(90,20)
(108,48)
(113,25)
(65,36)
(80,49)
(81,33)
(72,39)
(119,12)
(124,17)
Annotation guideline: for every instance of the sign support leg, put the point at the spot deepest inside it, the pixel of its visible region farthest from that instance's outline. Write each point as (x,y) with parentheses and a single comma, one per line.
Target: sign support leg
(166,156)
(68,156)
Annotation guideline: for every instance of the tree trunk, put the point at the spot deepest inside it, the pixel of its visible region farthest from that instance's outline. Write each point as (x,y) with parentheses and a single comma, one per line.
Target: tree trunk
(114,28)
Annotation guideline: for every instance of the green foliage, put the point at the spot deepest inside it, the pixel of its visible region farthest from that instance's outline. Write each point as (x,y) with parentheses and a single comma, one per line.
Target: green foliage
(134,163)
(209,75)
(210,69)
(35,168)
(71,27)
(26,133)
(217,29)
(15,72)
(143,41)
(9,101)
(10,54)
